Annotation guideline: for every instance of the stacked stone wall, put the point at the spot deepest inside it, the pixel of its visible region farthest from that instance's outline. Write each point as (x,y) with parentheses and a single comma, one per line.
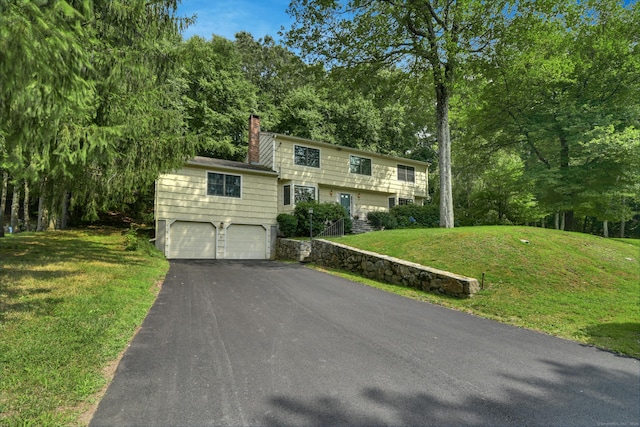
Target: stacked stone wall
(380,267)
(292,250)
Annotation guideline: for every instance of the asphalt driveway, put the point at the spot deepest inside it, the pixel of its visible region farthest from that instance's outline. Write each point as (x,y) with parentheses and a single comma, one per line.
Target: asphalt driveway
(268,343)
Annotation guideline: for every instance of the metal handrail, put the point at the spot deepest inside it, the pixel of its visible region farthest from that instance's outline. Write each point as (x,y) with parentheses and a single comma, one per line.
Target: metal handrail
(335,229)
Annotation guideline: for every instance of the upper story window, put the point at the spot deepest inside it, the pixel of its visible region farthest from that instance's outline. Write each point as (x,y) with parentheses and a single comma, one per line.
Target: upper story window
(360,165)
(406,173)
(219,184)
(306,156)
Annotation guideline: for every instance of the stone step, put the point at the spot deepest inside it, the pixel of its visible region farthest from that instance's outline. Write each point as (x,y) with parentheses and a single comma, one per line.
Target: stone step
(360,226)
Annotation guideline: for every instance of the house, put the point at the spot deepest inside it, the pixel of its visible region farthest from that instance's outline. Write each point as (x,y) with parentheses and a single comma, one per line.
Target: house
(219,209)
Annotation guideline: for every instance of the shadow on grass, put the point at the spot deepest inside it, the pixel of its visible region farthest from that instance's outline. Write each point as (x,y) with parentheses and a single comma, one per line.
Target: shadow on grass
(34,256)
(18,300)
(563,394)
(603,335)
(41,249)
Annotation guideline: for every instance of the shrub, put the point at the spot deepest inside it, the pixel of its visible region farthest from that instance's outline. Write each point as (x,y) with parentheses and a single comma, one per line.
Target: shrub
(414,215)
(382,220)
(322,213)
(131,239)
(287,224)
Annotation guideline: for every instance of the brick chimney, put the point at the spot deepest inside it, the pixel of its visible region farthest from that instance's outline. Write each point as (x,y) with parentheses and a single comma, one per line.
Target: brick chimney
(253,155)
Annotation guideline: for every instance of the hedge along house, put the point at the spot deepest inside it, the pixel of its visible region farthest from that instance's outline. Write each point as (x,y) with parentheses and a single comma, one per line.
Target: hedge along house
(219,209)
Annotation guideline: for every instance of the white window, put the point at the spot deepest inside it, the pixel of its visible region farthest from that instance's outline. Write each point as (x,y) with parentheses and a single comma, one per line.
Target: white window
(402,201)
(303,193)
(406,173)
(360,165)
(219,184)
(306,156)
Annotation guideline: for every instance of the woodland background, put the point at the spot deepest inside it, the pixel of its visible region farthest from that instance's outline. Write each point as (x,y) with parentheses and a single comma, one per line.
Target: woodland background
(542,103)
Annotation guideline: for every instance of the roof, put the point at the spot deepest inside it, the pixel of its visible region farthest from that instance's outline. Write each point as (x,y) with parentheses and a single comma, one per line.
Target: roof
(342,147)
(229,164)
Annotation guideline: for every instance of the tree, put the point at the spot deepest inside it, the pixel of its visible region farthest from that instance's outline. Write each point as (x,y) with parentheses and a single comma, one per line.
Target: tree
(93,106)
(553,88)
(275,71)
(424,36)
(218,97)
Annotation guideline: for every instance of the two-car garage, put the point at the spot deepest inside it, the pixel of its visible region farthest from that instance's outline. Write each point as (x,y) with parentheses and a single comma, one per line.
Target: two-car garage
(204,240)
(217,209)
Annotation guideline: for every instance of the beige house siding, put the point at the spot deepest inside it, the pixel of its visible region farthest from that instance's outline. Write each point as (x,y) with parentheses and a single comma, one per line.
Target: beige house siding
(182,196)
(334,176)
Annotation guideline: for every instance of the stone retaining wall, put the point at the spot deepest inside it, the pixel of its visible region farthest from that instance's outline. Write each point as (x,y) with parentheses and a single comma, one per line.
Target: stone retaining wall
(292,250)
(381,267)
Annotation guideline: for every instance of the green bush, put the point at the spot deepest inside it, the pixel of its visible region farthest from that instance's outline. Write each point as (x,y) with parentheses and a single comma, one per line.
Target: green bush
(322,214)
(418,216)
(287,224)
(382,220)
(131,242)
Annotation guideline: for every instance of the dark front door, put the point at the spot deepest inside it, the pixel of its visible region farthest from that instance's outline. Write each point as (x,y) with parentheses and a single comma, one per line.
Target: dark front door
(345,201)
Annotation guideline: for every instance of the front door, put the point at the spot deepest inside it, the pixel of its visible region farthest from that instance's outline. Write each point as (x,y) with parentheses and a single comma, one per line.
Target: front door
(345,201)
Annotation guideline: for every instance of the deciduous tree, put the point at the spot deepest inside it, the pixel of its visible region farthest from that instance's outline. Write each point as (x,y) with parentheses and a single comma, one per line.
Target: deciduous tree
(435,37)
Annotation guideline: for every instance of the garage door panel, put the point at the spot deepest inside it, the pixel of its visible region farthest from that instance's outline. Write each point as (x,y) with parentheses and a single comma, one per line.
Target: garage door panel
(192,240)
(246,242)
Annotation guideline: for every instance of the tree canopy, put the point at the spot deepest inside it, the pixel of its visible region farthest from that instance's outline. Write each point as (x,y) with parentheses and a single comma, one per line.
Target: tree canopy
(530,109)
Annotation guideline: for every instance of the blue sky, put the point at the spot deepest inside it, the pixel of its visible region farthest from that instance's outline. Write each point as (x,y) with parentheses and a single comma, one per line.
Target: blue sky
(227,17)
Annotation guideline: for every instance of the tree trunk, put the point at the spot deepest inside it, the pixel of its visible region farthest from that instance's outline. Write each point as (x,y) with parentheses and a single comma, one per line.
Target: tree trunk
(3,200)
(15,208)
(562,219)
(557,220)
(42,214)
(64,215)
(605,228)
(27,222)
(622,222)
(568,220)
(444,153)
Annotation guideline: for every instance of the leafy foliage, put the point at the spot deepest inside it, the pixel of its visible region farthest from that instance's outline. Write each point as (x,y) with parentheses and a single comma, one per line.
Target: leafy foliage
(287,224)
(323,214)
(218,97)
(414,215)
(381,220)
(554,88)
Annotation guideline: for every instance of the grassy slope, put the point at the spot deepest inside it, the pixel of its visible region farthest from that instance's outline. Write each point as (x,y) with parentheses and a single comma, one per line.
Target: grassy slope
(69,303)
(572,285)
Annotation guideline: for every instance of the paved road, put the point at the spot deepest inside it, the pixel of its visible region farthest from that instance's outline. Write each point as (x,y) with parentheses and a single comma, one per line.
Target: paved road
(266,343)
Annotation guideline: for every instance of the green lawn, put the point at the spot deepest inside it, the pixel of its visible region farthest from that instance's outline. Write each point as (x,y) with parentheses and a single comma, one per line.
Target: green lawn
(571,285)
(69,303)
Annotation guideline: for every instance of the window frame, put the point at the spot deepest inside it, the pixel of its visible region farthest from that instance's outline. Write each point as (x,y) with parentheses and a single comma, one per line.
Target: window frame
(286,195)
(404,175)
(306,156)
(392,202)
(402,201)
(295,195)
(361,159)
(225,184)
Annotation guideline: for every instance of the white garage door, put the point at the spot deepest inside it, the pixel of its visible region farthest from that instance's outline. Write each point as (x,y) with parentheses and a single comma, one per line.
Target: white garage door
(191,240)
(246,242)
